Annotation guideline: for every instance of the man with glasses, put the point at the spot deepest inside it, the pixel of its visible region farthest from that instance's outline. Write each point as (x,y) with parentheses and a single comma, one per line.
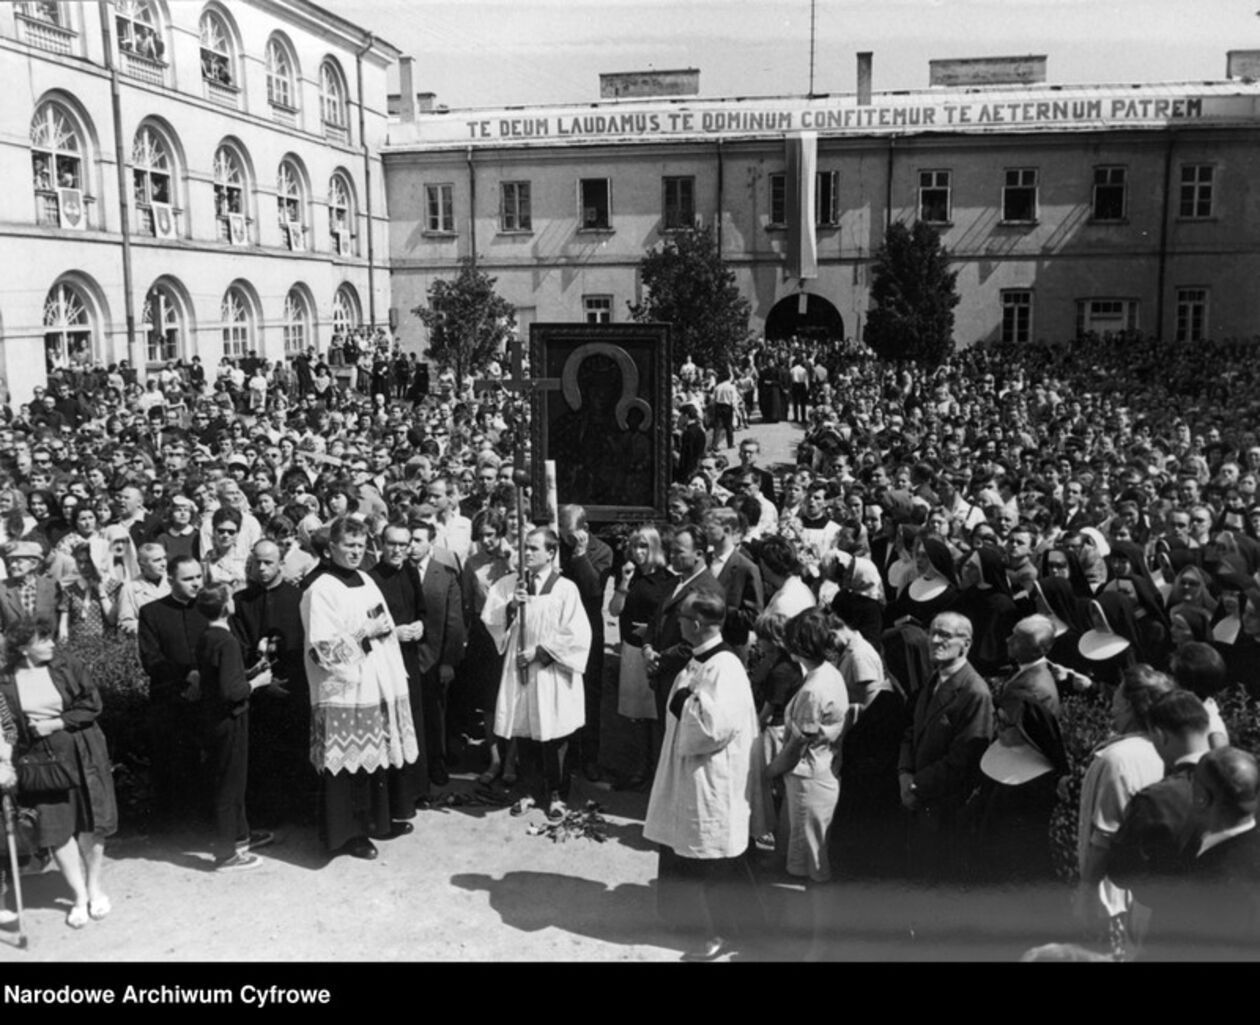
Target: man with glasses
(939,765)
(400,582)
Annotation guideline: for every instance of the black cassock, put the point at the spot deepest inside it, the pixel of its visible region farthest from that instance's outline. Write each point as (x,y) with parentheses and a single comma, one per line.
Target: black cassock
(404,596)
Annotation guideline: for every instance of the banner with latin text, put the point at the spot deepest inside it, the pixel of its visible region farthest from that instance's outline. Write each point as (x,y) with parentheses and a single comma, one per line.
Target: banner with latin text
(645,121)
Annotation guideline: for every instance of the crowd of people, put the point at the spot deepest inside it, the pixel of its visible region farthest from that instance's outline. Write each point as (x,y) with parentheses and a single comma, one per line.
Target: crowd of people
(856,667)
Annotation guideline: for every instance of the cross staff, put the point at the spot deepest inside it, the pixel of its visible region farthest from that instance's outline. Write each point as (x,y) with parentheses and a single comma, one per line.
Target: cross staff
(517,382)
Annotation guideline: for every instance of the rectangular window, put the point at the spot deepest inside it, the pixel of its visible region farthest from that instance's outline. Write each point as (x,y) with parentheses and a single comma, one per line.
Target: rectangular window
(1192,309)
(778,199)
(680,203)
(1017,316)
(1109,193)
(595,204)
(440,208)
(514,212)
(934,197)
(1106,316)
(598,308)
(1019,195)
(1196,190)
(826,202)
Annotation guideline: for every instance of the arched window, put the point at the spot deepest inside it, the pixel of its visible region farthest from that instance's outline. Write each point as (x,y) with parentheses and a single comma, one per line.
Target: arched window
(69,328)
(237,318)
(341,215)
(163,326)
(229,197)
(297,322)
(57,151)
(218,57)
(291,205)
(139,30)
(345,311)
(280,85)
(151,171)
(332,100)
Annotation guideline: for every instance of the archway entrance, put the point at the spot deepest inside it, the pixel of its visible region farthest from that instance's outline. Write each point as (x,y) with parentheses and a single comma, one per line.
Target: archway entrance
(805,315)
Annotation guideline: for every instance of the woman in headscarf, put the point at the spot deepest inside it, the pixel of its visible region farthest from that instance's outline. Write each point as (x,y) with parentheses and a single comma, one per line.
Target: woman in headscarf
(1192,587)
(859,596)
(1128,573)
(1069,614)
(932,590)
(986,600)
(1113,642)
(868,837)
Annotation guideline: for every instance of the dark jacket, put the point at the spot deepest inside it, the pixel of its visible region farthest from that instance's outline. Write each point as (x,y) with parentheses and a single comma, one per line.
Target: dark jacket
(740,579)
(11,609)
(443,641)
(168,632)
(944,743)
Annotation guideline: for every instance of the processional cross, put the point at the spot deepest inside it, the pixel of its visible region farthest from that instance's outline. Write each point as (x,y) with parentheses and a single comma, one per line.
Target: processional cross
(527,387)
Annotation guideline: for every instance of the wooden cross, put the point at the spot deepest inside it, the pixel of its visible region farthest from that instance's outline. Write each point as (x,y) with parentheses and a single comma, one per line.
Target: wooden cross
(516,381)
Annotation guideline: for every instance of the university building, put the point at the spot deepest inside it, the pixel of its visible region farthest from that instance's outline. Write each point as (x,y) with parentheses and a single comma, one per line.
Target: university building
(186,179)
(1064,209)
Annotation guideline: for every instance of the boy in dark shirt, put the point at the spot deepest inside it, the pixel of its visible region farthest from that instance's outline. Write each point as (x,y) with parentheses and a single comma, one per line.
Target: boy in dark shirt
(223,724)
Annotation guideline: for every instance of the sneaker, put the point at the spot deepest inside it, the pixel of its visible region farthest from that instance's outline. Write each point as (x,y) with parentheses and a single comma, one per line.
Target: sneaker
(238,862)
(258,839)
(556,810)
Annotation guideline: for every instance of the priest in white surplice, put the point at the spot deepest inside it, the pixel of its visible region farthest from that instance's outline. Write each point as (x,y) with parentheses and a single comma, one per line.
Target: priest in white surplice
(701,802)
(540,695)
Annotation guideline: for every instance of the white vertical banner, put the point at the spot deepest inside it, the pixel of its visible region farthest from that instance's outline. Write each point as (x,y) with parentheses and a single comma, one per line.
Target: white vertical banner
(163,220)
(553,503)
(802,180)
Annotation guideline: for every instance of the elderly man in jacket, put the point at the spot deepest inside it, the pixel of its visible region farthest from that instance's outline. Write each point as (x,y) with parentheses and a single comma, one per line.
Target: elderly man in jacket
(700,806)
(939,766)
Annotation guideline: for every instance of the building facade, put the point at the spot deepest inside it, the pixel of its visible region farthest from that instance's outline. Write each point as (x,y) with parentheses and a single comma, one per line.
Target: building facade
(186,179)
(1064,209)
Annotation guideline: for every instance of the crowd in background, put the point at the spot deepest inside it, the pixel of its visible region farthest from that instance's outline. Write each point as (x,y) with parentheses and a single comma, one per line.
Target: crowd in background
(955,551)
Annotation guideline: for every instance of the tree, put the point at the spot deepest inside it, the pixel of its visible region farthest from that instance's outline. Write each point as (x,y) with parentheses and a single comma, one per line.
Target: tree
(690,287)
(913,295)
(468,322)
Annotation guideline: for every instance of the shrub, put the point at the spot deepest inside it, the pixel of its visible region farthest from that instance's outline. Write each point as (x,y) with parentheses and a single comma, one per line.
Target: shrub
(114,663)
(1086,724)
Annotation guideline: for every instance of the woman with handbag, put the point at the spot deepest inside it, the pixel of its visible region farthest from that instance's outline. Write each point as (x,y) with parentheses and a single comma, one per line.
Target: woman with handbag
(61,760)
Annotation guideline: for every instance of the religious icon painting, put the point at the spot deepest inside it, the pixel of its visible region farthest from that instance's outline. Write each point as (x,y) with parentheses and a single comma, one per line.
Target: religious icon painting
(297,241)
(236,229)
(601,403)
(70,208)
(163,220)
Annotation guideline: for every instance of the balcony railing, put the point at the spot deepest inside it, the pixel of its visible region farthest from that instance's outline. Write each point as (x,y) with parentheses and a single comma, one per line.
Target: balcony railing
(221,93)
(45,34)
(147,69)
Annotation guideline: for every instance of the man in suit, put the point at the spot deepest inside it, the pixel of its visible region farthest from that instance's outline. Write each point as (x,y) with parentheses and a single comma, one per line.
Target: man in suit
(691,443)
(1159,836)
(939,764)
(1224,893)
(587,561)
(664,648)
(749,450)
(441,647)
(1026,763)
(737,575)
(26,592)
